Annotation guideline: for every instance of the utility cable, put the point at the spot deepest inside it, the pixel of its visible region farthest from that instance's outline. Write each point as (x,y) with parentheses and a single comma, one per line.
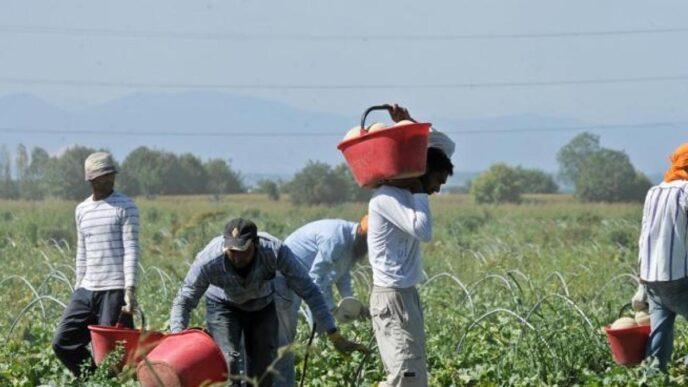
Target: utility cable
(343,86)
(552,129)
(189,35)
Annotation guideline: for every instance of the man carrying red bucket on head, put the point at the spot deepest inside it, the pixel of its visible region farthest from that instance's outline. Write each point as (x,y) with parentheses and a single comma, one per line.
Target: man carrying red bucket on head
(663,257)
(398,220)
(237,269)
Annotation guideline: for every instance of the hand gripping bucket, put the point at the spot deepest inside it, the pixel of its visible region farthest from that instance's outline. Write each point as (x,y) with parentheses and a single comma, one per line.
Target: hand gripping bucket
(185,359)
(628,344)
(136,342)
(397,152)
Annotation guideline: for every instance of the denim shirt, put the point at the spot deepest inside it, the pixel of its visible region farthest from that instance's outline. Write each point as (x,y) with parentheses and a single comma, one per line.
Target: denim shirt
(326,248)
(211,271)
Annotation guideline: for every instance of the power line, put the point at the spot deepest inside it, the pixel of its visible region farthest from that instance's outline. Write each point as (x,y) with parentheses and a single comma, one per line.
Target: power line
(421,86)
(117,33)
(553,129)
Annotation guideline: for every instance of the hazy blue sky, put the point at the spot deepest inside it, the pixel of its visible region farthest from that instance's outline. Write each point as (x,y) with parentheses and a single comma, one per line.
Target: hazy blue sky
(273,43)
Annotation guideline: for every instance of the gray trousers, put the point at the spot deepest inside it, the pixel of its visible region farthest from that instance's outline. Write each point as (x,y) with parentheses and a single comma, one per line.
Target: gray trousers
(227,324)
(398,324)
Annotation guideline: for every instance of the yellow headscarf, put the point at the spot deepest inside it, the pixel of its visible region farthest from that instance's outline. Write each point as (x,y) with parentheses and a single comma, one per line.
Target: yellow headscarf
(679,165)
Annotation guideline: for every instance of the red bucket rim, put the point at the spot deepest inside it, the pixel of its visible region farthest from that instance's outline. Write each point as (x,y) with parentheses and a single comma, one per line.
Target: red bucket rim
(609,329)
(106,328)
(346,143)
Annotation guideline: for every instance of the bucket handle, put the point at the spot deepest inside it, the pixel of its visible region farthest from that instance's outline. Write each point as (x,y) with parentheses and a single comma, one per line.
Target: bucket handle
(386,106)
(373,108)
(141,315)
(623,309)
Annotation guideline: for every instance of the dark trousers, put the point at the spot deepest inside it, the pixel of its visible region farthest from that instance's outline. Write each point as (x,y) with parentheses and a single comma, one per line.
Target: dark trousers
(259,328)
(86,308)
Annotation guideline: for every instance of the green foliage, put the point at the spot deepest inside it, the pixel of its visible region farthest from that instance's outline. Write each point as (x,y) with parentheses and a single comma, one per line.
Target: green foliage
(564,266)
(192,175)
(152,172)
(535,181)
(149,172)
(32,184)
(65,175)
(354,192)
(572,155)
(608,176)
(318,183)
(269,188)
(600,174)
(222,179)
(499,184)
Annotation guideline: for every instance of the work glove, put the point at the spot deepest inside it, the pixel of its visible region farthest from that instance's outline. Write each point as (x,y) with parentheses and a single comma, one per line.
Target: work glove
(130,304)
(639,300)
(344,346)
(349,310)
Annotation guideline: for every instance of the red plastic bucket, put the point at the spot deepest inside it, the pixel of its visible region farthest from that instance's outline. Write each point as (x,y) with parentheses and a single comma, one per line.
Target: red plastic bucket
(628,344)
(185,359)
(136,343)
(397,152)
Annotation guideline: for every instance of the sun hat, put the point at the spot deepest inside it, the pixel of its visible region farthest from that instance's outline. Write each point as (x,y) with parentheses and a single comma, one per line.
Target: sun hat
(98,164)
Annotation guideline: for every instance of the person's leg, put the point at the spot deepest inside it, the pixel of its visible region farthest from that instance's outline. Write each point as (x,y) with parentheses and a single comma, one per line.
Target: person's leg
(260,333)
(71,339)
(661,341)
(287,306)
(674,296)
(398,325)
(225,327)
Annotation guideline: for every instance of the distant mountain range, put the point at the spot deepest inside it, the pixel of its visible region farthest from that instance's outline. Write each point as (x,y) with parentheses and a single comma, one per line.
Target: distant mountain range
(267,138)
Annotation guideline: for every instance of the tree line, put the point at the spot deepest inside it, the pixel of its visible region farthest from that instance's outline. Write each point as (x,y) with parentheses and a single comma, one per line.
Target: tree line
(597,174)
(36,175)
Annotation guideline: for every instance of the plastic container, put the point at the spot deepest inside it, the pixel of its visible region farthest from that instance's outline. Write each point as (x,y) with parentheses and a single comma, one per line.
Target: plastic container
(397,152)
(136,342)
(628,344)
(185,359)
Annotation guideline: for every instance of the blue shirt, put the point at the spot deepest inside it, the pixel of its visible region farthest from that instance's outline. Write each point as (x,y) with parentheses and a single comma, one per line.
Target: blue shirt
(326,248)
(211,271)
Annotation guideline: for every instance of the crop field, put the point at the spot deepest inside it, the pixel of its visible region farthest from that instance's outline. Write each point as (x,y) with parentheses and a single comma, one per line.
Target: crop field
(514,294)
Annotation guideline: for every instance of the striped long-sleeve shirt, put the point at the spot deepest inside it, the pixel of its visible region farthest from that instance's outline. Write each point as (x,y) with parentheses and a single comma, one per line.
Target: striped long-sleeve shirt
(211,271)
(107,254)
(663,254)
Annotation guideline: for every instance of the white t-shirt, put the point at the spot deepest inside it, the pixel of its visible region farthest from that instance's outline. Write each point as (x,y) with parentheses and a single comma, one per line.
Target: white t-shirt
(397,222)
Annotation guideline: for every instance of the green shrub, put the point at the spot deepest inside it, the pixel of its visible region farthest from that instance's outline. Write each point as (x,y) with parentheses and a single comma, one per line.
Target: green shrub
(497,185)
(609,176)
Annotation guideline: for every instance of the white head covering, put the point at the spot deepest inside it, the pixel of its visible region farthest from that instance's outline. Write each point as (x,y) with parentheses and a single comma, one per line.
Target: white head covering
(98,164)
(441,141)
